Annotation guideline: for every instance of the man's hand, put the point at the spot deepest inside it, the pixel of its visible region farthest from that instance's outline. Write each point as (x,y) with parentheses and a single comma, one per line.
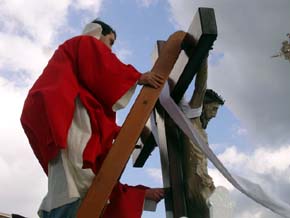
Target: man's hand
(151,79)
(155,194)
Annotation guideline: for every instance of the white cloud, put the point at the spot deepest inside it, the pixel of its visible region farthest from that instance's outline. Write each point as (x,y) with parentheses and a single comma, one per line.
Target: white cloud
(252,215)
(262,160)
(269,168)
(155,174)
(29,31)
(219,179)
(146,3)
(28,34)
(91,5)
(256,166)
(22,180)
(232,157)
(38,20)
(267,160)
(21,55)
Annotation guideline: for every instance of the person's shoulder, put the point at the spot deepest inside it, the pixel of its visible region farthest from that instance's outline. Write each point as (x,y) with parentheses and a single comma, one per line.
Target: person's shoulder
(80,41)
(81,38)
(75,38)
(70,42)
(87,42)
(88,38)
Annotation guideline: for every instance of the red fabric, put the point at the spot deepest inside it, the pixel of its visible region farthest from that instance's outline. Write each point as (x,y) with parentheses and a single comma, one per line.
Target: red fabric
(82,66)
(123,202)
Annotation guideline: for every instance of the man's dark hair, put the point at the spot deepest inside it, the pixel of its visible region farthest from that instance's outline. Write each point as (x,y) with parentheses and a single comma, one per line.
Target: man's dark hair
(106,29)
(211,96)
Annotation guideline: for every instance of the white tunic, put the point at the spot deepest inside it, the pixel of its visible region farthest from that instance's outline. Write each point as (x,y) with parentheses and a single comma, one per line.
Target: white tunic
(67,181)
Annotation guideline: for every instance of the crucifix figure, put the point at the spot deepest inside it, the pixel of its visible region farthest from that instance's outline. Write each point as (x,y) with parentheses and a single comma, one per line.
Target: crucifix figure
(202,107)
(199,186)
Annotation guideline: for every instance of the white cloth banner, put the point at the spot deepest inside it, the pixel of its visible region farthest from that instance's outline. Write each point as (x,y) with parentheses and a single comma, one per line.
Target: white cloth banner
(252,190)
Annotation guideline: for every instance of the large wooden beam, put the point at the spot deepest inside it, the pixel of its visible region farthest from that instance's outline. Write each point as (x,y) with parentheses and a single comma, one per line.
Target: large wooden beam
(203,30)
(124,144)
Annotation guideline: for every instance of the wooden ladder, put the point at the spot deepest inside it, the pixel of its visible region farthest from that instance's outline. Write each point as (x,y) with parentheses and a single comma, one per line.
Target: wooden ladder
(111,169)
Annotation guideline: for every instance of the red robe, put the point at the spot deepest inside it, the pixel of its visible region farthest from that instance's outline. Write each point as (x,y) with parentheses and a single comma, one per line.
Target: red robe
(85,67)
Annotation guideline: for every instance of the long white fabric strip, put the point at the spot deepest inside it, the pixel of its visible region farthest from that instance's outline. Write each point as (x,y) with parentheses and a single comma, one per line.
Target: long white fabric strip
(252,190)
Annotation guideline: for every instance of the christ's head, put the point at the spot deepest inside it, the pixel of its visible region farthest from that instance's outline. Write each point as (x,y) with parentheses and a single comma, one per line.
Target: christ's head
(211,103)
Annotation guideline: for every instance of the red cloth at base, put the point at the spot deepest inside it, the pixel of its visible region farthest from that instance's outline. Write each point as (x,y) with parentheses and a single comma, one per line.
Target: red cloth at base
(125,202)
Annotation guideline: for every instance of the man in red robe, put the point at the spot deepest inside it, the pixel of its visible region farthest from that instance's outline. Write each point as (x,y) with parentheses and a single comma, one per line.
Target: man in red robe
(70,120)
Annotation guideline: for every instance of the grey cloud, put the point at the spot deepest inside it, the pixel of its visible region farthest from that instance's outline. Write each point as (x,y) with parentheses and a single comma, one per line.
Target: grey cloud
(255,86)
(245,205)
(247,208)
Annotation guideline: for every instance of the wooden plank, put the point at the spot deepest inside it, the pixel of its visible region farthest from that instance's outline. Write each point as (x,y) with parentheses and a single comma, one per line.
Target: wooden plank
(204,30)
(124,144)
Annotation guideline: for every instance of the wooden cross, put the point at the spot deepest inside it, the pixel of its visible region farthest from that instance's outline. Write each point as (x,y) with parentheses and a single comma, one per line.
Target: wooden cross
(202,28)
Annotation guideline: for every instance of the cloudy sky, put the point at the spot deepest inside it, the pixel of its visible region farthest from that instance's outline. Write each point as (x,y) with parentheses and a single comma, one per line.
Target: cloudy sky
(250,134)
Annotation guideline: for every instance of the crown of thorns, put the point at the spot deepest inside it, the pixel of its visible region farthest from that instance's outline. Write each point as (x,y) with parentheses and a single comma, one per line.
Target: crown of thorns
(211,96)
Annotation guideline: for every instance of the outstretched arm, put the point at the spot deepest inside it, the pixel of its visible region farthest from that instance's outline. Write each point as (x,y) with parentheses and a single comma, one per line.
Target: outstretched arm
(200,86)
